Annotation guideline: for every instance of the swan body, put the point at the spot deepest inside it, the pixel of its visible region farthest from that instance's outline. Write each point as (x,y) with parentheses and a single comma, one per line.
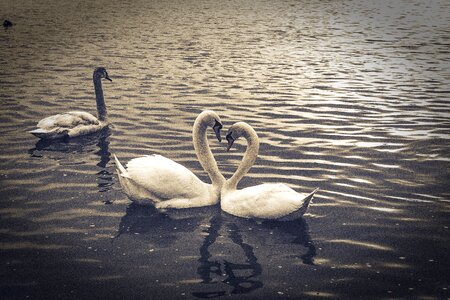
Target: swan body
(157,180)
(76,123)
(275,201)
(72,123)
(266,201)
(146,178)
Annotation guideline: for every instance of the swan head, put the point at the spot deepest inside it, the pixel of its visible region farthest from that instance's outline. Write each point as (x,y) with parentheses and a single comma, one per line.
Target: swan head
(238,130)
(100,72)
(230,140)
(217,127)
(210,119)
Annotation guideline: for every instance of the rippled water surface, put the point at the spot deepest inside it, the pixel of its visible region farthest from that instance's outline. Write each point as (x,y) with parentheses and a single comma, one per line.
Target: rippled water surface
(348,96)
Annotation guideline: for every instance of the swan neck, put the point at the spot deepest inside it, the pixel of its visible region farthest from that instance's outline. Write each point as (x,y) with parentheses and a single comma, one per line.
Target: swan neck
(204,153)
(101,106)
(250,155)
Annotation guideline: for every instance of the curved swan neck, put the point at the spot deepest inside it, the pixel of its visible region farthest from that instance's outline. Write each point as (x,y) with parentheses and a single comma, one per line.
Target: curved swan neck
(101,106)
(203,151)
(248,160)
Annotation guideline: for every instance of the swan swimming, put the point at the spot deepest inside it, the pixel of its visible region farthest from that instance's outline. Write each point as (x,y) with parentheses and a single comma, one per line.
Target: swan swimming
(157,180)
(7,24)
(274,201)
(76,123)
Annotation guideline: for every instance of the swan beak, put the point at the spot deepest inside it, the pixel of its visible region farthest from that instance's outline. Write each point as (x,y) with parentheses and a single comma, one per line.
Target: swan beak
(107,77)
(217,127)
(230,141)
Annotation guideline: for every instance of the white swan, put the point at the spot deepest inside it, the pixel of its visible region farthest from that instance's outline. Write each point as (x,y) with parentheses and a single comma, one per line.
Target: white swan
(164,183)
(266,201)
(75,123)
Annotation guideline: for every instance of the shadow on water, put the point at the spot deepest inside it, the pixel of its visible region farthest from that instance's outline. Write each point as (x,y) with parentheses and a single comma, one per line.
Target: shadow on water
(97,143)
(162,228)
(300,230)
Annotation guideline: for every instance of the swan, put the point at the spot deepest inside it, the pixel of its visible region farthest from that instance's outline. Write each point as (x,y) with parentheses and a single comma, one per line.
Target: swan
(76,123)
(157,180)
(275,201)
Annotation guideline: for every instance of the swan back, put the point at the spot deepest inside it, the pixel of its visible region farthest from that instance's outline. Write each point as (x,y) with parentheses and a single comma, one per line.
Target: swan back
(265,201)
(73,123)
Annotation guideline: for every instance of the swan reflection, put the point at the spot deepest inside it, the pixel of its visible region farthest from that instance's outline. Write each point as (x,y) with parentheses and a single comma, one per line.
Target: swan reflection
(242,284)
(60,150)
(300,231)
(163,228)
(208,267)
(241,277)
(227,263)
(105,177)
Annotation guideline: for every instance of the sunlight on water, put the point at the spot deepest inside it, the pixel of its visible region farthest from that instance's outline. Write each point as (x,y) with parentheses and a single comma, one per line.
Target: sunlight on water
(362,244)
(28,245)
(351,97)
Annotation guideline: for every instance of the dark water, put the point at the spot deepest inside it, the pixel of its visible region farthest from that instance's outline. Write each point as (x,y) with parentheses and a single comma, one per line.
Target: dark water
(348,96)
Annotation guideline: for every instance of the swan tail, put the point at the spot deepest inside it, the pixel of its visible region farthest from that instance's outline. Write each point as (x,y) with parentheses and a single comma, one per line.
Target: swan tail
(307,200)
(302,209)
(120,169)
(133,191)
(124,183)
(123,177)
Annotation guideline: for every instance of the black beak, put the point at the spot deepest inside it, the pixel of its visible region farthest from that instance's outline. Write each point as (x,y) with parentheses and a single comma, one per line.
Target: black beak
(107,77)
(230,141)
(217,127)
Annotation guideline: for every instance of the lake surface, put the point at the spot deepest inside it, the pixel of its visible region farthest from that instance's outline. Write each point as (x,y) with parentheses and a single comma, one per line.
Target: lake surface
(352,97)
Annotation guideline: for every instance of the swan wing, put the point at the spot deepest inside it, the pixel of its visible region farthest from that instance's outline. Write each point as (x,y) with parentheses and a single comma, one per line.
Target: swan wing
(265,201)
(164,178)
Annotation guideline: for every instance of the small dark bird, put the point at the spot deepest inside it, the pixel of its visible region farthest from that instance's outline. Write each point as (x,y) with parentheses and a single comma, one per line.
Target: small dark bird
(7,23)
